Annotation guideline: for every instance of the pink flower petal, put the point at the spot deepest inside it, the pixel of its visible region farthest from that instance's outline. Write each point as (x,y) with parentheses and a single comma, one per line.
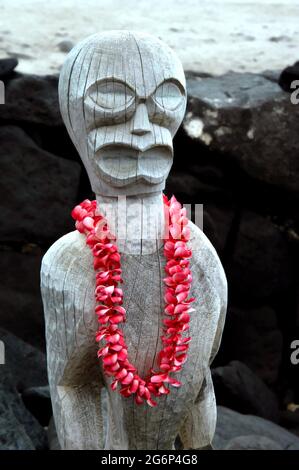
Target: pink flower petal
(151,402)
(110,359)
(122,374)
(116,319)
(114,384)
(175,383)
(138,400)
(103,351)
(182,296)
(116,347)
(134,386)
(159,378)
(128,379)
(119,310)
(122,355)
(164,390)
(115,367)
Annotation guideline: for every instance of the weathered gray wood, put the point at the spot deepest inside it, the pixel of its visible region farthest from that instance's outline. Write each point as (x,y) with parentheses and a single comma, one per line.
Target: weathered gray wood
(88,415)
(125,144)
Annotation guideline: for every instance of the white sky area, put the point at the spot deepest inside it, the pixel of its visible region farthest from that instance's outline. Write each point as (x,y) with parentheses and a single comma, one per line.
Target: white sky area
(209,36)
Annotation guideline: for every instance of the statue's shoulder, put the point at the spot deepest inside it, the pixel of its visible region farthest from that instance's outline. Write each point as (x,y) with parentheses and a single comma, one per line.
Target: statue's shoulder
(206,260)
(68,253)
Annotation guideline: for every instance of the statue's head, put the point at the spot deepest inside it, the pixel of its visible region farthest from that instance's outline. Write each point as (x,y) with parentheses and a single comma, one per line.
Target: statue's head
(122,97)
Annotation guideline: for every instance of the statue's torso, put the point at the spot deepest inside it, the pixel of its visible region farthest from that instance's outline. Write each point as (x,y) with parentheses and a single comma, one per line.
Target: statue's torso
(68,275)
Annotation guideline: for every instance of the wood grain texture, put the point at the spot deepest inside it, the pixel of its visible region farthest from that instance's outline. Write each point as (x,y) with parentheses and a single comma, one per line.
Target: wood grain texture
(122,98)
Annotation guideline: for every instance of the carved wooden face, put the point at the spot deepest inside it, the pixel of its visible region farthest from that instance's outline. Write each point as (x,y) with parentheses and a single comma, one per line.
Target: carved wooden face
(122,98)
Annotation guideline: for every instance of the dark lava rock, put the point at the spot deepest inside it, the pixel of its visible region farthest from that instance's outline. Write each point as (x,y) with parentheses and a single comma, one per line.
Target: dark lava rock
(38,401)
(272,75)
(210,179)
(193,188)
(290,420)
(12,433)
(238,388)
(198,181)
(19,430)
(231,425)
(65,45)
(252,336)
(52,436)
(26,364)
(33,99)
(7,66)
(217,224)
(287,76)
(184,185)
(252,442)
(38,190)
(250,121)
(260,264)
(21,305)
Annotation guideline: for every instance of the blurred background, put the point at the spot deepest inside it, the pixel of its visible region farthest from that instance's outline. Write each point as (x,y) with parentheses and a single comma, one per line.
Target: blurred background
(236,153)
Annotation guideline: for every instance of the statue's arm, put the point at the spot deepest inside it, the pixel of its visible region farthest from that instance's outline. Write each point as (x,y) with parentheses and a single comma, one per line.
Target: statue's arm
(73,369)
(199,427)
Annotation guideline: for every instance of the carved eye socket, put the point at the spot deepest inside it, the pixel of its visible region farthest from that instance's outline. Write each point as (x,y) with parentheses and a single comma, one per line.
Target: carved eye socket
(168,95)
(111,94)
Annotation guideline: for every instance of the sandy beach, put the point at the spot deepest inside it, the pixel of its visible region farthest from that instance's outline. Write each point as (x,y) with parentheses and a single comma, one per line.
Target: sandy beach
(211,37)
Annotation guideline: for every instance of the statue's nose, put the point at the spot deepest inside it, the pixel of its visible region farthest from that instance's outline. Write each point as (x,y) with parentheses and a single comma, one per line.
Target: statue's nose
(140,121)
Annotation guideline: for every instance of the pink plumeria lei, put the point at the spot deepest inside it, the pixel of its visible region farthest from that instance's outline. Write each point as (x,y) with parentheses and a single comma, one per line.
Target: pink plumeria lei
(109,298)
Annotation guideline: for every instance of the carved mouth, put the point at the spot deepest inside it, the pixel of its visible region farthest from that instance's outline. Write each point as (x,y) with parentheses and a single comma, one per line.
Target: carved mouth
(122,165)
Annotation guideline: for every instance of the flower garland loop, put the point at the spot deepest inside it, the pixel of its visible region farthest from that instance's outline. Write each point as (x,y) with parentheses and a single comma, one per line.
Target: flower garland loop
(109,298)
